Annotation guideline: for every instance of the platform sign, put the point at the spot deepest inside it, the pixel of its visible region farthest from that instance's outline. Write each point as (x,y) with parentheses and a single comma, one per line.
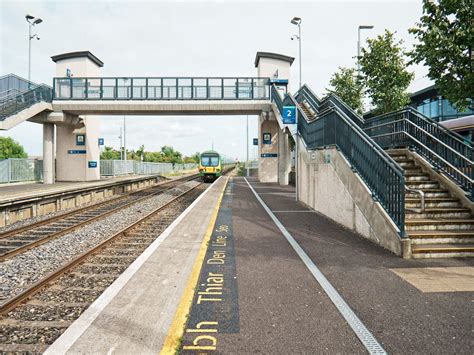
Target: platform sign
(92,164)
(74,151)
(101,141)
(267,138)
(80,139)
(269,155)
(289,114)
(255,141)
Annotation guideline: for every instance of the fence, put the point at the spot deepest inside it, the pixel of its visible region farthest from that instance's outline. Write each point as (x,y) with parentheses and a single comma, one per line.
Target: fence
(19,170)
(121,167)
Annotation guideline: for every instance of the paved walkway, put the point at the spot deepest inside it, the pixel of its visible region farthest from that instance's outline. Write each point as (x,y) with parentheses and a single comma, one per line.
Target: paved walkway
(280,308)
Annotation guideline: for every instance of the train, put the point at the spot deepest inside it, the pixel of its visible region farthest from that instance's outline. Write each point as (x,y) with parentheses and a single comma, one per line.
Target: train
(212,165)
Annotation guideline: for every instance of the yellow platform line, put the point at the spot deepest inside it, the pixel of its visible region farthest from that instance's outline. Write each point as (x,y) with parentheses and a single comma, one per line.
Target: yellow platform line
(176,330)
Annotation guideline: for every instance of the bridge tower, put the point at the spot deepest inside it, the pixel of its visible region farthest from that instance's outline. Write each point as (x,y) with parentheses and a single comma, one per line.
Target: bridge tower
(273,141)
(77,145)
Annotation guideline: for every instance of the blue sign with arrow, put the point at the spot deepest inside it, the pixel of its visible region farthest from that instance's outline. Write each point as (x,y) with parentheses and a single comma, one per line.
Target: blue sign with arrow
(289,114)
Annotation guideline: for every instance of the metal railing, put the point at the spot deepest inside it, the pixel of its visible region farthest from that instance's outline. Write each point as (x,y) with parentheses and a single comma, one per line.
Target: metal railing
(442,148)
(20,170)
(15,103)
(332,127)
(166,88)
(121,167)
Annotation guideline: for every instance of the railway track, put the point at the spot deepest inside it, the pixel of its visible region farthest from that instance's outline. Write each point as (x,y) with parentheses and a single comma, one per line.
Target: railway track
(33,319)
(19,240)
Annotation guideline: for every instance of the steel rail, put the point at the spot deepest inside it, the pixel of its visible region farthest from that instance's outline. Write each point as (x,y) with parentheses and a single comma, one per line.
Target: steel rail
(34,288)
(49,237)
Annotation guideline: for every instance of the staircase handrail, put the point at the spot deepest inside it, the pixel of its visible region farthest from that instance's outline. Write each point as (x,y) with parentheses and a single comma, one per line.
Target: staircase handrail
(382,175)
(455,136)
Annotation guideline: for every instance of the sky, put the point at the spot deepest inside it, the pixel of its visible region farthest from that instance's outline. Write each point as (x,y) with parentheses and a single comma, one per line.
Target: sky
(193,38)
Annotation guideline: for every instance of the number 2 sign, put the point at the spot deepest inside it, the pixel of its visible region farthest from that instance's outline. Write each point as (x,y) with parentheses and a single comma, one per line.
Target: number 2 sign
(289,114)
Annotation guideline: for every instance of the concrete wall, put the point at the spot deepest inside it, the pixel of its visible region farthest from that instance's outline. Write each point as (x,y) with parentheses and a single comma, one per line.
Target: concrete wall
(329,185)
(75,167)
(268,166)
(268,66)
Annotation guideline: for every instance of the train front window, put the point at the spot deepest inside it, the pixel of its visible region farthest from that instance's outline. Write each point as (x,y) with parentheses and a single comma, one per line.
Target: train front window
(210,160)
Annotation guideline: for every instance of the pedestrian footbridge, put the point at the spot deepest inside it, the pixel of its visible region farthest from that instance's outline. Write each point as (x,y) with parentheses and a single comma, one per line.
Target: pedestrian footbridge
(399,179)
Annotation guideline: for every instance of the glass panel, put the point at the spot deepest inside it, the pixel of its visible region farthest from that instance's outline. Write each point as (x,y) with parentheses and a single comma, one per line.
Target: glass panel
(210,160)
(169,88)
(139,88)
(93,89)
(154,88)
(78,88)
(215,89)
(124,88)
(108,88)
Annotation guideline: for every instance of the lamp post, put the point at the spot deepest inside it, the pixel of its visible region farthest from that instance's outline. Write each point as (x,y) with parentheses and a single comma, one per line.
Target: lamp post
(297,21)
(361,27)
(31,22)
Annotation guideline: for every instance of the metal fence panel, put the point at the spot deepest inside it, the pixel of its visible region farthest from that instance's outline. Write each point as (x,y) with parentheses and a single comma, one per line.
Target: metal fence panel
(120,167)
(20,170)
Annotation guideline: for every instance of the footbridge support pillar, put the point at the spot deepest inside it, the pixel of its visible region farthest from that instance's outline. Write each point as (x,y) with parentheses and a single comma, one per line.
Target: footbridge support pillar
(48,153)
(77,152)
(284,157)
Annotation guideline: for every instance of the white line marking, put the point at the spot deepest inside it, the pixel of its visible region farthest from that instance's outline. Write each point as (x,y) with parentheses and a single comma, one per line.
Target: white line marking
(303,211)
(80,325)
(365,336)
(277,193)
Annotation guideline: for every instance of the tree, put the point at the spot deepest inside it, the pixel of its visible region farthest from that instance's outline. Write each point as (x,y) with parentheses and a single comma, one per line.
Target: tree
(348,87)
(10,148)
(109,153)
(446,39)
(384,73)
(170,155)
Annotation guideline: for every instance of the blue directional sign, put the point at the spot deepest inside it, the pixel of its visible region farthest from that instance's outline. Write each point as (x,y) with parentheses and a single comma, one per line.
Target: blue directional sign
(73,151)
(255,141)
(92,164)
(101,141)
(269,155)
(289,114)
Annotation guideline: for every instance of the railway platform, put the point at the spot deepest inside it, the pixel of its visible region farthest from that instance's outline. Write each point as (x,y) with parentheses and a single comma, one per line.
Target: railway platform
(26,200)
(248,269)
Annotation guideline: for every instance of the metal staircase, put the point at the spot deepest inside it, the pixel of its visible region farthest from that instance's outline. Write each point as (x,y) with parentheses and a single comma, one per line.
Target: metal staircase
(426,211)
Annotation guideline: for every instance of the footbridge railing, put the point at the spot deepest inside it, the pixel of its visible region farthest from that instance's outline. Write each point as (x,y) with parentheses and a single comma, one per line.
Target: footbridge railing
(162,88)
(16,101)
(333,127)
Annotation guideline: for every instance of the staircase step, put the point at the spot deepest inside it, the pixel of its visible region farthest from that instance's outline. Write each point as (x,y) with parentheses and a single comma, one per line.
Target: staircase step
(442,202)
(441,236)
(418,177)
(442,250)
(429,184)
(395,152)
(431,213)
(431,224)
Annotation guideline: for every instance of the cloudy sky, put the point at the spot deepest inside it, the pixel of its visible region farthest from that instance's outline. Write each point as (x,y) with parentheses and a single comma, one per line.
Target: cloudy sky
(192,38)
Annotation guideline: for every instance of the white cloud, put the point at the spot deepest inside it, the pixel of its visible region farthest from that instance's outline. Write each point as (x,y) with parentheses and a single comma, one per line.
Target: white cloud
(191,39)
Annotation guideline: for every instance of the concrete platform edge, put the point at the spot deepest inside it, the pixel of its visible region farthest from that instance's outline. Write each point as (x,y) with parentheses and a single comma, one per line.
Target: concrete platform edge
(74,332)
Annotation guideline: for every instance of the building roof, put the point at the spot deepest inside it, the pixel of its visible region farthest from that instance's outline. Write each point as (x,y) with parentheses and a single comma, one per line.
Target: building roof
(282,57)
(80,54)
(426,93)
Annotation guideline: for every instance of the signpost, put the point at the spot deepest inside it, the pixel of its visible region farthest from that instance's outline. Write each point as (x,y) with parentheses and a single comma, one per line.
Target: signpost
(289,114)
(255,141)
(101,141)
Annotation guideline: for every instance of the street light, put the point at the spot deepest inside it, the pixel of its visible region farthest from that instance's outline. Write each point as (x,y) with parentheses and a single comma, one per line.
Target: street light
(297,21)
(31,21)
(361,27)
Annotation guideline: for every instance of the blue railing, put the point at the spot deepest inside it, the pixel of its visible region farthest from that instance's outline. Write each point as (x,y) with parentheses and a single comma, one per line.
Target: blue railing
(333,127)
(134,88)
